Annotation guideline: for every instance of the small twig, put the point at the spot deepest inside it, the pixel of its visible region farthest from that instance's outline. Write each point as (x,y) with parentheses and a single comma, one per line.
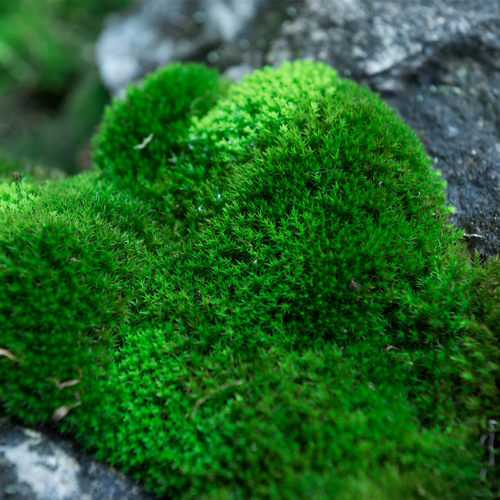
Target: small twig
(8,354)
(63,410)
(68,383)
(353,285)
(490,437)
(491,441)
(474,235)
(145,142)
(321,171)
(390,348)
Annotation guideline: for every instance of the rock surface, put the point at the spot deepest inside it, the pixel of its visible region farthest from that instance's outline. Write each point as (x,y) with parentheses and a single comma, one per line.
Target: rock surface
(37,466)
(436,61)
(157,32)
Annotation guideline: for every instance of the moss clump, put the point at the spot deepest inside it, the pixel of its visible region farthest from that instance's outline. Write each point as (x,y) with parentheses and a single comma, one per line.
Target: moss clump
(267,300)
(142,136)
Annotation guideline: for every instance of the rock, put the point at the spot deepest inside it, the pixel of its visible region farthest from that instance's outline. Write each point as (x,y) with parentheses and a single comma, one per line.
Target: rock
(438,64)
(156,32)
(40,466)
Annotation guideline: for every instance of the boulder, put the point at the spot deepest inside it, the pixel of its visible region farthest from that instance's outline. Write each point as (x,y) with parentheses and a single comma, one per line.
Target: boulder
(156,33)
(436,62)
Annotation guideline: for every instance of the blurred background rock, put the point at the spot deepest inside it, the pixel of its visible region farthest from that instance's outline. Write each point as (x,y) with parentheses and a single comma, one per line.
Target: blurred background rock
(232,35)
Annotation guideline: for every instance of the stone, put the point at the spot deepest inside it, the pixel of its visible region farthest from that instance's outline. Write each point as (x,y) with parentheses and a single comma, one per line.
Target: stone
(156,32)
(42,466)
(436,62)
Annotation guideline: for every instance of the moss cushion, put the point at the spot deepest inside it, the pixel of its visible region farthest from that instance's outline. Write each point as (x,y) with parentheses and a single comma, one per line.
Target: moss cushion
(255,293)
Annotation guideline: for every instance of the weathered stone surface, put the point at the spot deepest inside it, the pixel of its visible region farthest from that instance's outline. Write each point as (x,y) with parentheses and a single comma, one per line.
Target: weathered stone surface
(158,32)
(438,64)
(41,466)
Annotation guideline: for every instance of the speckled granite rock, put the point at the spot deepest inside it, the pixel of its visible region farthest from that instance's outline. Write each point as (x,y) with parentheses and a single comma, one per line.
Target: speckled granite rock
(39,466)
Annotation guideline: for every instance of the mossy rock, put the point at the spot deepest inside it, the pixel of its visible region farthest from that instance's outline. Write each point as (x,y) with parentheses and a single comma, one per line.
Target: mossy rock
(256,293)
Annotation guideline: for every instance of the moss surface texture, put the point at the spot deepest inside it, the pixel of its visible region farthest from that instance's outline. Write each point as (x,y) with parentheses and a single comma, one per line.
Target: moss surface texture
(256,293)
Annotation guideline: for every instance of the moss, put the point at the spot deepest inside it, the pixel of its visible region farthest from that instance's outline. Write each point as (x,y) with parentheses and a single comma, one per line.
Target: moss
(69,252)
(264,298)
(141,137)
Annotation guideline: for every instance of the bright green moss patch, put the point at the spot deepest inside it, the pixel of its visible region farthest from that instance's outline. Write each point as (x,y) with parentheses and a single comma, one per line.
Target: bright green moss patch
(258,293)
(71,255)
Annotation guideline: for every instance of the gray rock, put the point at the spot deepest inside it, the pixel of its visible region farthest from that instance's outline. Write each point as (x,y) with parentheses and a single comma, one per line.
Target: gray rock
(438,64)
(42,466)
(158,32)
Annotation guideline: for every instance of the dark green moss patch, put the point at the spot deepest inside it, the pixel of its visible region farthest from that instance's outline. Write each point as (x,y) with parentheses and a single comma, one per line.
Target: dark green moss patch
(258,293)
(142,136)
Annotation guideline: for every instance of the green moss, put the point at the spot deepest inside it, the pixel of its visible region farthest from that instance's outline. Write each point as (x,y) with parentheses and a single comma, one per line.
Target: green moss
(142,136)
(264,299)
(70,252)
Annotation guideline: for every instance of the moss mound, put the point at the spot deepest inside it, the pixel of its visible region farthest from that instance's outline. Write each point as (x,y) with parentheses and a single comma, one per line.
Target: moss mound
(256,293)
(143,135)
